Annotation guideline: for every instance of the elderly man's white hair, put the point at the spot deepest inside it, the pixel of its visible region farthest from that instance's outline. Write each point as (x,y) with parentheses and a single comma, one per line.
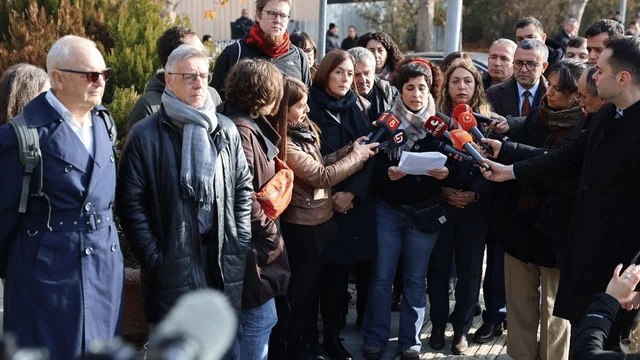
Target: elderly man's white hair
(184,52)
(507,42)
(361,55)
(63,49)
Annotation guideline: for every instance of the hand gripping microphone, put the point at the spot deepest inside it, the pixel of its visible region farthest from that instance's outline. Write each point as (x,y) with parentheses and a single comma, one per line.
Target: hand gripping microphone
(388,122)
(468,123)
(438,128)
(398,139)
(462,140)
(459,109)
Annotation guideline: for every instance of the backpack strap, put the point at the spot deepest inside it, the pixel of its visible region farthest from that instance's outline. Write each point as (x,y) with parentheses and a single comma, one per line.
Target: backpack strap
(30,156)
(239,51)
(110,124)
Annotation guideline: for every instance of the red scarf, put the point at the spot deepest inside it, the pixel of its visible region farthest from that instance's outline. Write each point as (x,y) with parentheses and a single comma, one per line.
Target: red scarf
(256,37)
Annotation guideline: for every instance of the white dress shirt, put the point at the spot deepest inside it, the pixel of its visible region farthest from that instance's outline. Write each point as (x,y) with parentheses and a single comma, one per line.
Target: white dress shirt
(84,131)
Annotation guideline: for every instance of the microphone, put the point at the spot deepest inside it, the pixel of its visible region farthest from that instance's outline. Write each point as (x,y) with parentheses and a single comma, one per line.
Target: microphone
(202,325)
(398,139)
(462,140)
(443,117)
(459,109)
(388,122)
(446,148)
(468,123)
(437,127)
(483,119)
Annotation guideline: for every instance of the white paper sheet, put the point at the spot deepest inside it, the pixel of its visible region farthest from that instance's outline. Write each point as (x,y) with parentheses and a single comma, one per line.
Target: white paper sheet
(418,163)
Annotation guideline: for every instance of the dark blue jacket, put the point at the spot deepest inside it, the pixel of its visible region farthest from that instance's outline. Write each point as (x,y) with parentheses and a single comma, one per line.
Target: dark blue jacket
(64,271)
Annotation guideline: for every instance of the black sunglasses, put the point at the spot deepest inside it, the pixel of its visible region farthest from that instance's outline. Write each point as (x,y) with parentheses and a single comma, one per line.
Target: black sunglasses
(92,76)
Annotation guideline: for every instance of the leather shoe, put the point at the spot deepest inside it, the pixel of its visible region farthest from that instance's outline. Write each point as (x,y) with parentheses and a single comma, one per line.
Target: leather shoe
(313,352)
(486,333)
(372,353)
(436,341)
(335,350)
(459,346)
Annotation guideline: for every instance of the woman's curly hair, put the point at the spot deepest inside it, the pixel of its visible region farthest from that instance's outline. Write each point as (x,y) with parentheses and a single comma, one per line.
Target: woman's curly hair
(394,55)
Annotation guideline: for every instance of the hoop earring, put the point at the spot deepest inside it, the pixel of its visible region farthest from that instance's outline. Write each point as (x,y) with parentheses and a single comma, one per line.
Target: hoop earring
(254,115)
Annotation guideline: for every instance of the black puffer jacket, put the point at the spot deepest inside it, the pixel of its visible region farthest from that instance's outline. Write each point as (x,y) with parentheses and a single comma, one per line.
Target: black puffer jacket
(162,227)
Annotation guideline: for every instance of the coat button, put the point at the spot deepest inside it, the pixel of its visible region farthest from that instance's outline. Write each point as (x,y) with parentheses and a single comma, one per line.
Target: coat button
(68,168)
(416,146)
(88,251)
(113,247)
(87,206)
(418,179)
(112,159)
(585,188)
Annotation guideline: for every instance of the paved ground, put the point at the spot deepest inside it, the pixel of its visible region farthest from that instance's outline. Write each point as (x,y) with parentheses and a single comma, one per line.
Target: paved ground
(353,341)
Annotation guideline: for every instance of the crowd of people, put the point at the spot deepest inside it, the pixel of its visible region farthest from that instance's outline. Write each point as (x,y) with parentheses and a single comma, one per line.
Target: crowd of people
(273,186)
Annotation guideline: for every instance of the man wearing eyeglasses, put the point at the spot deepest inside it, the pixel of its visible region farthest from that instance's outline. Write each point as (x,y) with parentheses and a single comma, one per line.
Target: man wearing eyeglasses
(269,40)
(516,97)
(61,258)
(184,192)
(150,102)
(513,100)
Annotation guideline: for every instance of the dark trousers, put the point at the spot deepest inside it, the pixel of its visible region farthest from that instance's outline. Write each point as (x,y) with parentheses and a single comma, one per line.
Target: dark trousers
(330,295)
(304,249)
(465,240)
(495,300)
(363,274)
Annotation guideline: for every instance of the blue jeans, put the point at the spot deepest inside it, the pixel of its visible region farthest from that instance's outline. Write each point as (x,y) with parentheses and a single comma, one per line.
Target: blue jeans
(252,341)
(398,240)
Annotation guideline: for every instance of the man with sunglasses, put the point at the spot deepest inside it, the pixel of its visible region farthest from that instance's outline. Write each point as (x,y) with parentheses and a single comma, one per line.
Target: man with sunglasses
(61,257)
(268,40)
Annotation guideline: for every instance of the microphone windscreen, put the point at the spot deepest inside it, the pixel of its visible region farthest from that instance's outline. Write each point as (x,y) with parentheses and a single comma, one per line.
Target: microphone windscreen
(399,138)
(467,121)
(459,109)
(460,137)
(435,126)
(203,317)
(389,121)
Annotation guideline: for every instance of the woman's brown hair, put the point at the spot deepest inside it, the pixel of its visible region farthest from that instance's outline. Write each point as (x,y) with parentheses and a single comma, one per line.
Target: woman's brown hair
(294,90)
(253,84)
(479,100)
(414,67)
(18,86)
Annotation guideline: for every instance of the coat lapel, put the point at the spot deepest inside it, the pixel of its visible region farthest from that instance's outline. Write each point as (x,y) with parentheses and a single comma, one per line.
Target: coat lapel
(510,99)
(65,145)
(102,150)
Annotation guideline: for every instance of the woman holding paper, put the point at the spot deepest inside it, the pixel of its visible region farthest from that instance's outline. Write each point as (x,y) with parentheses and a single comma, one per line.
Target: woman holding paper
(463,235)
(409,214)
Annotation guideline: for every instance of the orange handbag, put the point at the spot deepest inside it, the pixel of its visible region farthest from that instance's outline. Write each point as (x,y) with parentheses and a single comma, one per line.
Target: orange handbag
(275,195)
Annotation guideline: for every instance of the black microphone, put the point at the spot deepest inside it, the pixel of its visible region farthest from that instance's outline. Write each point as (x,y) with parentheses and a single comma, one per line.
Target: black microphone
(202,325)
(448,149)
(388,122)
(483,119)
(398,139)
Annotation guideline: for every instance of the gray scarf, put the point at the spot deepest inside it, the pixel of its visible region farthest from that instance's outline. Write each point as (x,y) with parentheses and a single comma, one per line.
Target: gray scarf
(412,123)
(198,151)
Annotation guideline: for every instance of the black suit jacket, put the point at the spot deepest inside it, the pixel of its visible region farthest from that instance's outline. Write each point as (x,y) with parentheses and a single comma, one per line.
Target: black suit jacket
(505,100)
(604,229)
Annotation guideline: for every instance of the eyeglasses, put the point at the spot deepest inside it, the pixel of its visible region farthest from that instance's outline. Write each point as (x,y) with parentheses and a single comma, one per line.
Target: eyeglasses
(529,64)
(274,15)
(190,78)
(92,76)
